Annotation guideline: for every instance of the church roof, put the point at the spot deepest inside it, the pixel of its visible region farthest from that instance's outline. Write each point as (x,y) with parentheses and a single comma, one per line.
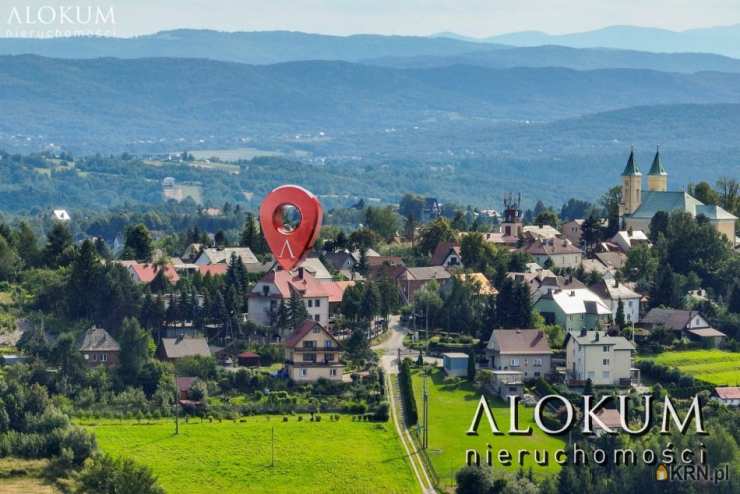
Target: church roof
(631,168)
(657,168)
(654,201)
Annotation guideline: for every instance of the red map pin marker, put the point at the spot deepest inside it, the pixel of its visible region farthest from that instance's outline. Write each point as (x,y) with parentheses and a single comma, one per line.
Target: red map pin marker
(289,243)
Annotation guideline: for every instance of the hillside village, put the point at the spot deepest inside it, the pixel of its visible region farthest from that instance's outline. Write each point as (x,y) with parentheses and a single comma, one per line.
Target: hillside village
(200,322)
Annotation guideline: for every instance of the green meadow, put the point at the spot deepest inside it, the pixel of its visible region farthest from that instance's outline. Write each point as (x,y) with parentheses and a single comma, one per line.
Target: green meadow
(712,366)
(451,410)
(236,457)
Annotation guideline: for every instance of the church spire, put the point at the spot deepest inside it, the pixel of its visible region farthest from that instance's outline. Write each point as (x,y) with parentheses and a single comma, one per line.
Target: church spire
(658,177)
(631,169)
(657,168)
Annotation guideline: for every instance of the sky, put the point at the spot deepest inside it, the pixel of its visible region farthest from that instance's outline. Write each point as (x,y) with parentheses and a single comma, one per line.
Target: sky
(477,18)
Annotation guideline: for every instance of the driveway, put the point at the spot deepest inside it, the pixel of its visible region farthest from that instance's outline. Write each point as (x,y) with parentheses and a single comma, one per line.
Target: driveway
(390,348)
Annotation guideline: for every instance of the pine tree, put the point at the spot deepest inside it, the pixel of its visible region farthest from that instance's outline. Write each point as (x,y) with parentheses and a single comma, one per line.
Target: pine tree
(619,319)
(733,304)
(59,247)
(296,310)
(665,290)
(83,282)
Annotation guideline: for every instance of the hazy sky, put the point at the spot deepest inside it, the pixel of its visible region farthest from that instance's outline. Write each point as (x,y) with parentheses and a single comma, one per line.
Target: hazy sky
(470,17)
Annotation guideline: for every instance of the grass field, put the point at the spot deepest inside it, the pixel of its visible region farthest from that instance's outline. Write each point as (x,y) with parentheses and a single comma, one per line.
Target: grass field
(24,477)
(451,410)
(713,366)
(229,458)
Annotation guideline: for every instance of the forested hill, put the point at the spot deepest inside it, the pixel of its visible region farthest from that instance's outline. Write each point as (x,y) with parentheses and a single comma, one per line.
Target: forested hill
(104,104)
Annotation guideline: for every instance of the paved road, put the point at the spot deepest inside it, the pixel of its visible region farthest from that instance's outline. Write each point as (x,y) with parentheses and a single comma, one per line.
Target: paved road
(394,343)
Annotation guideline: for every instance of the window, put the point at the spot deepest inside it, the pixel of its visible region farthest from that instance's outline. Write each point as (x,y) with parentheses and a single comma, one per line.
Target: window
(605,348)
(591,374)
(273,305)
(538,362)
(316,329)
(605,374)
(328,344)
(309,357)
(317,317)
(95,357)
(317,303)
(515,362)
(329,357)
(309,344)
(536,374)
(605,361)
(310,303)
(304,372)
(104,357)
(332,372)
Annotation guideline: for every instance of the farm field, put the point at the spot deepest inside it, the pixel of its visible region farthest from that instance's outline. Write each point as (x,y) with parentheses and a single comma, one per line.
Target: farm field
(713,366)
(234,457)
(451,410)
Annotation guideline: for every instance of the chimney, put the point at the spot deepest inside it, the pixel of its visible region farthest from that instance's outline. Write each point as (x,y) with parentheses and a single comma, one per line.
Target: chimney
(596,336)
(180,337)
(583,332)
(300,273)
(572,293)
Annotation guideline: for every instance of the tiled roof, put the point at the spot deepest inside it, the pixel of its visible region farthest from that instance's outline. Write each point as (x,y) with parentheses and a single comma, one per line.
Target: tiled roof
(185,383)
(706,332)
(515,341)
(427,273)
(145,273)
(675,319)
(442,251)
(486,288)
(551,247)
(728,392)
(615,260)
(335,289)
(302,330)
(215,256)
(213,269)
(98,340)
(578,301)
(185,347)
(609,290)
(286,281)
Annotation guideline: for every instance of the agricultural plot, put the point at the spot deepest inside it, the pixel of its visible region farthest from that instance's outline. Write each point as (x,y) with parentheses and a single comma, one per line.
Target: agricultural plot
(451,410)
(712,366)
(236,457)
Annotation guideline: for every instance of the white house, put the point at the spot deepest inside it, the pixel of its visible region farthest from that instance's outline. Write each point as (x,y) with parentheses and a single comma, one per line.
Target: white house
(605,360)
(573,309)
(729,395)
(312,353)
(627,239)
(219,255)
(60,215)
(612,291)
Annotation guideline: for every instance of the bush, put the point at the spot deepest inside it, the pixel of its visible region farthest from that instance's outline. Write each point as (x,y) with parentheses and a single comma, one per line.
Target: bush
(106,475)
(382,412)
(407,393)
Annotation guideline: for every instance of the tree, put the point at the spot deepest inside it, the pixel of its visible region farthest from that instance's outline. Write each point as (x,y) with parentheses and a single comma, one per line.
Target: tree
(475,480)
(433,233)
(26,245)
(704,192)
(575,209)
(138,243)
(383,221)
(134,342)
(546,217)
(104,474)
(588,389)
(733,305)
(10,263)
(641,264)
(610,202)
(59,250)
(665,290)
(83,282)
(471,366)
(591,232)
(476,253)
(658,225)
(252,237)
(371,302)
(619,319)
(297,310)
(514,305)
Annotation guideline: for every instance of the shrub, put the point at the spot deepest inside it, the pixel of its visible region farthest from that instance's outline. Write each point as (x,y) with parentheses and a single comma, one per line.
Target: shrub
(407,393)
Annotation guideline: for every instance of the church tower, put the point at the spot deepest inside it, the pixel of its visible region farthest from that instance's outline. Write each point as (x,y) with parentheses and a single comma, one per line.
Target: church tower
(512,225)
(631,186)
(658,177)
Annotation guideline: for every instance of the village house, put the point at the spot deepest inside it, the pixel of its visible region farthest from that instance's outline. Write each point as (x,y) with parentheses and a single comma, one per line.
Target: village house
(312,353)
(61,215)
(573,309)
(545,281)
(215,255)
(184,385)
(144,273)
(560,252)
(627,239)
(411,280)
(523,350)
(605,360)
(573,231)
(540,232)
(380,266)
(485,287)
(612,291)
(278,286)
(683,323)
(99,348)
(613,260)
(447,254)
(638,206)
(728,395)
(172,349)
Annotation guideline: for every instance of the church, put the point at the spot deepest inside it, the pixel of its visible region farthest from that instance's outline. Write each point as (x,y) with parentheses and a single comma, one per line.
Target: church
(638,206)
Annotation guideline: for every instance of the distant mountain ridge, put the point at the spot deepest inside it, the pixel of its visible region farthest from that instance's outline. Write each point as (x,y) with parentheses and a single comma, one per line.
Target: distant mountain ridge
(723,40)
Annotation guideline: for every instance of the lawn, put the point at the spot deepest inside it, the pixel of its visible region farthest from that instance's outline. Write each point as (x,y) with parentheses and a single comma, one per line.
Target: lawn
(235,457)
(451,409)
(24,477)
(713,366)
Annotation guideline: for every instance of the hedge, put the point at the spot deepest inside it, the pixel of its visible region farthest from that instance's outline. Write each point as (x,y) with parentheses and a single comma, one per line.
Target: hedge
(407,393)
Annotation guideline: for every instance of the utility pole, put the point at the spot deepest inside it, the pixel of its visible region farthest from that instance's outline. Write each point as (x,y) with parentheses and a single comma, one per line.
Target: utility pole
(177,411)
(425,431)
(272,463)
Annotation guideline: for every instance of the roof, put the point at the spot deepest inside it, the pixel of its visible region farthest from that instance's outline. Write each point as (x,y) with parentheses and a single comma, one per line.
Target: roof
(675,319)
(288,281)
(339,258)
(713,212)
(707,333)
(728,392)
(486,288)
(455,355)
(613,290)
(544,231)
(381,260)
(657,167)
(551,247)
(628,236)
(217,255)
(185,383)
(61,215)
(145,273)
(314,266)
(592,338)
(213,269)
(442,251)
(248,355)
(426,273)
(578,301)
(590,265)
(518,341)
(631,169)
(185,347)
(98,340)
(653,201)
(610,418)
(615,260)
(302,330)
(336,289)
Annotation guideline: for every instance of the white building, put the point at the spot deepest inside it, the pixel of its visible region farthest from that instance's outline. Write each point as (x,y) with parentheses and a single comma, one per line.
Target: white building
(605,360)
(627,239)
(611,292)
(216,255)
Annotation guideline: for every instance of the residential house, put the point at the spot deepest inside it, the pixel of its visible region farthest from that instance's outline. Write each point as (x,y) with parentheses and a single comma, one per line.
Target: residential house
(410,280)
(574,309)
(184,384)
(455,364)
(312,353)
(144,273)
(540,232)
(380,266)
(314,266)
(612,291)
(523,350)
(627,239)
(172,349)
(192,252)
(683,323)
(544,281)
(573,231)
(594,355)
(99,348)
(248,359)
(610,417)
(215,255)
(61,215)
(728,395)
(613,260)
(431,210)
(447,254)
(278,286)
(479,279)
(342,260)
(559,251)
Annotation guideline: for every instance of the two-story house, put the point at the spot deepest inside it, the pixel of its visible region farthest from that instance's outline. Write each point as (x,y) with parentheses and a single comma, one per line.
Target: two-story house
(447,254)
(611,291)
(312,353)
(559,251)
(605,360)
(278,286)
(99,348)
(524,350)
(574,309)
